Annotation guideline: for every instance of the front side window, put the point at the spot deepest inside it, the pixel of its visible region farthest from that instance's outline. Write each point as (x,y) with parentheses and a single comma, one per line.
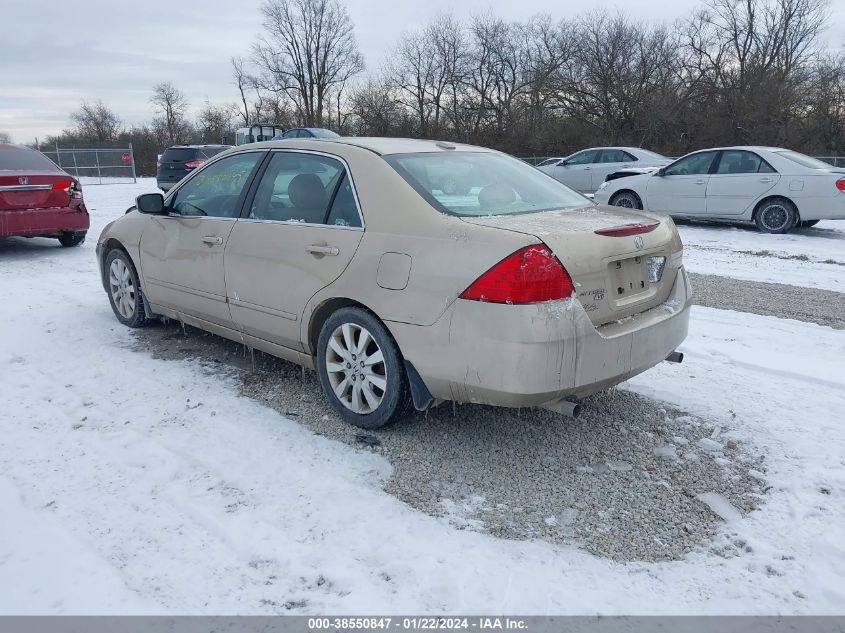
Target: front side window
(695,164)
(216,190)
(615,156)
(309,188)
(582,158)
(483,183)
(742,162)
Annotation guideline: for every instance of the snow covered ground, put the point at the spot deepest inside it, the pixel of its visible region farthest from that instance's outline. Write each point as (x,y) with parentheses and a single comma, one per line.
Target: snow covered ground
(813,257)
(120,493)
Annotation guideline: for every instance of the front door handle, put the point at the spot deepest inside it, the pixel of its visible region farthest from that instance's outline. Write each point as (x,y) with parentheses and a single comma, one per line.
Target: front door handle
(212,239)
(700,181)
(322,249)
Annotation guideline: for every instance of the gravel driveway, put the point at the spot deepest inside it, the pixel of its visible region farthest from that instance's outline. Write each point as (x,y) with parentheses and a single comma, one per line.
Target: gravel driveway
(632,479)
(824,307)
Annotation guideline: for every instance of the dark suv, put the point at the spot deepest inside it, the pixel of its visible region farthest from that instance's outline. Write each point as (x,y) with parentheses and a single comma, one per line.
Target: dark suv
(180,160)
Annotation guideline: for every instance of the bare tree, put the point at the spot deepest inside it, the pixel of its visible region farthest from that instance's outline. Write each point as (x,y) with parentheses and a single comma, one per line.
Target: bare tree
(5,137)
(308,49)
(214,122)
(171,105)
(95,121)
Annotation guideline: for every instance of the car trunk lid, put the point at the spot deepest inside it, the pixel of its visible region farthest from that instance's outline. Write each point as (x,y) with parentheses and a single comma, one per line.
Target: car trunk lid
(611,274)
(34,190)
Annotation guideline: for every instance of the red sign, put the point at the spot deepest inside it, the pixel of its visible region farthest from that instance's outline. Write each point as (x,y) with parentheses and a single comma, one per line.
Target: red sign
(127,158)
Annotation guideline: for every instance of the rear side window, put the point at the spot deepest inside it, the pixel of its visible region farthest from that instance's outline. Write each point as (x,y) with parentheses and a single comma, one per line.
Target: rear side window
(308,188)
(212,151)
(25,159)
(742,162)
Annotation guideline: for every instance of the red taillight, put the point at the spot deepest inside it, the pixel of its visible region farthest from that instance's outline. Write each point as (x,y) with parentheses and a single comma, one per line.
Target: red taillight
(530,275)
(62,184)
(627,229)
(840,184)
(193,164)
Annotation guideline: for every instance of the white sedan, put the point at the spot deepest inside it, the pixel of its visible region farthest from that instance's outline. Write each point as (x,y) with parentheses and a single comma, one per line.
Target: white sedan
(586,170)
(777,189)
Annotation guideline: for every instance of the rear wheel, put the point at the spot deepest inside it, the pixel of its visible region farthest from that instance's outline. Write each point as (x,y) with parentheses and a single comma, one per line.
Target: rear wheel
(124,289)
(361,369)
(776,215)
(626,199)
(72,239)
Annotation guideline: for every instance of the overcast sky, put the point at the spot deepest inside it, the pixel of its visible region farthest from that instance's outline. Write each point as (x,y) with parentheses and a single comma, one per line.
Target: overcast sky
(51,58)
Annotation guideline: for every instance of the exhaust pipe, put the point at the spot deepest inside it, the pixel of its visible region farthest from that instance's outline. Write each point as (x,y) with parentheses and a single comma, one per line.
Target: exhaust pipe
(567,408)
(675,357)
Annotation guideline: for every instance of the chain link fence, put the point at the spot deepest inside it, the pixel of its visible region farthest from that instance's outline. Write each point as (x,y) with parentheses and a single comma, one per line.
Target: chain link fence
(95,165)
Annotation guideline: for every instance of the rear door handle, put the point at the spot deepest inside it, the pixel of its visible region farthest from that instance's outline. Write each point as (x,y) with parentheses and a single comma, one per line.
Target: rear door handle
(322,249)
(765,180)
(212,239)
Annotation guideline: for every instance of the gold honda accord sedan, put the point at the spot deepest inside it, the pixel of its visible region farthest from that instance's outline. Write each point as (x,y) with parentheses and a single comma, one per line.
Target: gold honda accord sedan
(406,272)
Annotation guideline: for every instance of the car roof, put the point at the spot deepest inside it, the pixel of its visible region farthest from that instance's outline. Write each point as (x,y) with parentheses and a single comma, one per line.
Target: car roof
(379,145)
(196,146)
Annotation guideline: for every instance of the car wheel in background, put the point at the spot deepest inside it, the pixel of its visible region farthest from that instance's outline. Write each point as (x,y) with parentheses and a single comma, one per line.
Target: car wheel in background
(361,369)
(72,239)
(626,199)
(776,215)
(124,289)
(806,224)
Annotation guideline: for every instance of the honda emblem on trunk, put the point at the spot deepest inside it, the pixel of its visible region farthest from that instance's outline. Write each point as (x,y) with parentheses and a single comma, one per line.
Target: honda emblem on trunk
(23,180)
(638,242)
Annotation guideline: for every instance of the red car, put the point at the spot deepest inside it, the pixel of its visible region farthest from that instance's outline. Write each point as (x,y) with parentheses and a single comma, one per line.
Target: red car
(38,199)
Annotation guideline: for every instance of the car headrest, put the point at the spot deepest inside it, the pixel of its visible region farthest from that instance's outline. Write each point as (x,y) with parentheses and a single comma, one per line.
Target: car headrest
(306,191)
(496,195)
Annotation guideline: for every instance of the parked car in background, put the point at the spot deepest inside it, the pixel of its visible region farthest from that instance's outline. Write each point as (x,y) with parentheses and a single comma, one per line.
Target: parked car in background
(775,188)
(39,199)
(306,132)
(180,160)
(586,170)
(343,256)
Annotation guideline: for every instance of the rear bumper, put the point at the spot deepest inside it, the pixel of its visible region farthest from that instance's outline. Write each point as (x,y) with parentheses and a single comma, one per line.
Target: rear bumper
(44,222)
(523,356)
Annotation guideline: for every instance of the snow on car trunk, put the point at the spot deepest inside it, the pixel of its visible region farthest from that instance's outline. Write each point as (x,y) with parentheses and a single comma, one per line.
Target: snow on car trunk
(634,257)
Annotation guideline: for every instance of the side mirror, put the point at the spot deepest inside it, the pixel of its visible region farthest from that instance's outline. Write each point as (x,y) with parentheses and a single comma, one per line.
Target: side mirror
(661,172)
(152,203)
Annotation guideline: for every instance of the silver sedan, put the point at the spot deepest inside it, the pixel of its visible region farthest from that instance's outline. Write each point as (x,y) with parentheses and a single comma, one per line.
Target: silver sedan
(586,170)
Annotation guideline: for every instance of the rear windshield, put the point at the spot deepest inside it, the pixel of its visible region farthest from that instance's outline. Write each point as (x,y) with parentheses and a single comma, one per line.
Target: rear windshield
(24,159)
(212,151)
(482,183)
(324,133)
(180,153)
(804,160)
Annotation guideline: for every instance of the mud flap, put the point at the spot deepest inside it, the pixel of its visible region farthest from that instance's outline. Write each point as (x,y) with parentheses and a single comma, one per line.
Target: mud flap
(419,392)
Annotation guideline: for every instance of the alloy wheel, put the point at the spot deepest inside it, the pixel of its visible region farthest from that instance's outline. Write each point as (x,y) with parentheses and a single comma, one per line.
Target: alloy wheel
(775,217)
(122,288)
(356,369)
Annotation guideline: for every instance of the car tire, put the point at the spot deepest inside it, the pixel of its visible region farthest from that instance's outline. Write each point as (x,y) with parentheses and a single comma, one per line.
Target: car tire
(806,224)
(627,200)
(72,239)
(361,369)
(124,289)
(776,215)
